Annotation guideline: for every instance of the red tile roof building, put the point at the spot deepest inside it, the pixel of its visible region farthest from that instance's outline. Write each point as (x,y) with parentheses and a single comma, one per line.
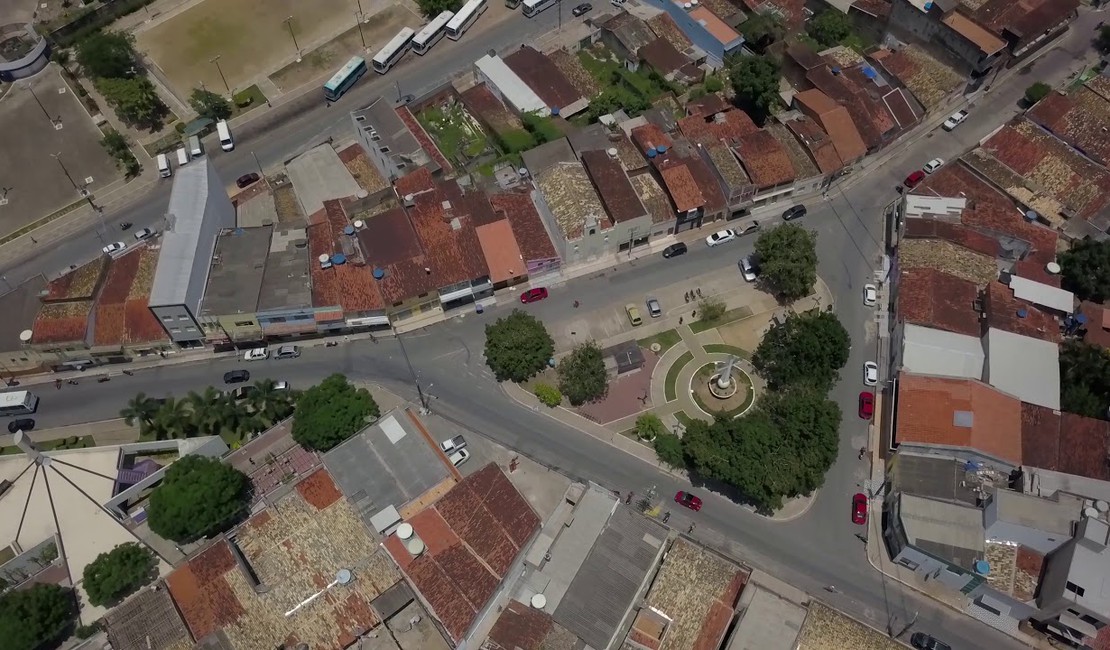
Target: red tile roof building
(617,194)
(350,286)
(424,139)
(67,305)
(1065,442)
(682,187)
(872,119)
(500,251)
(528,229)
(726,125)
(765,159)
(939,300)
(836,121)
(1011,314)
(122,317)
(1097,328)
(545,79)
(818,143)
(1079,118)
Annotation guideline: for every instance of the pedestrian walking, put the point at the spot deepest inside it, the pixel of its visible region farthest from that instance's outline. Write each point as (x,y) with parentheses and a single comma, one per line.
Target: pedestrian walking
(629,499)
(679,320)
(862,452)
(666,516)
(691,528)
(576,304)
(58,384)
(694,313)
(699,292)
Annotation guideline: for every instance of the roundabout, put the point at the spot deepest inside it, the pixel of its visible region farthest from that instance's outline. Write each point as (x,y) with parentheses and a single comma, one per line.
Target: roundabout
(722,389)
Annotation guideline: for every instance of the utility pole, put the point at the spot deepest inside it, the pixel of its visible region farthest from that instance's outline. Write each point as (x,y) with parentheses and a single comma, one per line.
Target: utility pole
(415,379)
(216,60)
(364,17)
(289,23)
(82,191)
(55,121)
(358,23)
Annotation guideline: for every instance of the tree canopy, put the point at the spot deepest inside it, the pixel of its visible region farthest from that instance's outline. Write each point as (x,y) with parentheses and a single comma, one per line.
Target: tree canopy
(788,260)
(30,617)
(1037,92)
(1102,41)
(582,375)
(829,27)
(808,349)
(433,8)
(518,347)
(755,79)
(762,30)
(199,496)
(135,100)
(780,450)
(117,573)
(209,104)
(210,412)
(1084,379)
(107,54)
(1086,270)
(332,411)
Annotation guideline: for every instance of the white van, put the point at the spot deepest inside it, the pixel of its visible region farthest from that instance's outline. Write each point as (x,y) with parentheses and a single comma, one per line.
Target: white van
(182,157)
(164,166)
(226,143)
(194,146)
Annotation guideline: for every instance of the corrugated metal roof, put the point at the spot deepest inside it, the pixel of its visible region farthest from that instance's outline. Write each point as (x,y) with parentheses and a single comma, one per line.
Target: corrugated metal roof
(512,88)
(1025,367)
(929,351)
(185,215)
(1042,294)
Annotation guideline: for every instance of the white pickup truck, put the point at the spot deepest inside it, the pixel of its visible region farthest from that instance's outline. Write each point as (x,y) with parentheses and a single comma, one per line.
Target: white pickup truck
(955,120)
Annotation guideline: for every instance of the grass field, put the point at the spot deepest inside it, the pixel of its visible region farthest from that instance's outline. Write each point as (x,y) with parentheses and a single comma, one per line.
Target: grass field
(251,38)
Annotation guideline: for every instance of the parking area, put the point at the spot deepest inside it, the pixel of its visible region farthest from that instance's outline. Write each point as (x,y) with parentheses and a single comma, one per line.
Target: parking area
(33,184)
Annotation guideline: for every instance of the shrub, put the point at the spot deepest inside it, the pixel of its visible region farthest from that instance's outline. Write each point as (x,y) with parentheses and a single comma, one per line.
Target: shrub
(649,427)
(86,631)
(668,447)
(714,84)
(1037,92)
(179,127)
(711,309)
(549,395)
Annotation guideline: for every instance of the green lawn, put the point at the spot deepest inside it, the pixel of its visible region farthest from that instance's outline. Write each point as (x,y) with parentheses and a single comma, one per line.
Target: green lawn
(666,340)
(252,93)
(458,136)
(728,349)
(670,389)
(684,419)
(739,375)
(727,317)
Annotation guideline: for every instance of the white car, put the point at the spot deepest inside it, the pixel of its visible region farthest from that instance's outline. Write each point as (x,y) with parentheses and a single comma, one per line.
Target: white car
(459,457)
(256,354)
(144,233)
(111,248)
(281,385)
(957,119)
(933,165)
(870,373)
(870,295)
(749,270)
(721,237)
(451,445)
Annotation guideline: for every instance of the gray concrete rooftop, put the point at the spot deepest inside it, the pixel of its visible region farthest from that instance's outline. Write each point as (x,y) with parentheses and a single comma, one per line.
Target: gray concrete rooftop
(285,283)
(235,275)
(319,175)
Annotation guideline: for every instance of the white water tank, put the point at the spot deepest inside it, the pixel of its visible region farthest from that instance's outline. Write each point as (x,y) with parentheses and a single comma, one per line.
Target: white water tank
(538,601)
(404,531)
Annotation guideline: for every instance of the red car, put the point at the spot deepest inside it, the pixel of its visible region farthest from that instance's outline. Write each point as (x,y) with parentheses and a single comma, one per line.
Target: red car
(859,509)
(533,295)
(913,179)
(687,500)
(866,405)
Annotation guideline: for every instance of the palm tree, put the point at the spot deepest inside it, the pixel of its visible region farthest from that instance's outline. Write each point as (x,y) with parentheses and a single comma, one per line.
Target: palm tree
(205,410)
(142,409)
(269,403)
(172,420)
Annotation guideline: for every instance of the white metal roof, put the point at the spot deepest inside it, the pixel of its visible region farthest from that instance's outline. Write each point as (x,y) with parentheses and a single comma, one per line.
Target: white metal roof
(1023,366)
(934,206)
(929,351)
(512,88)
(179,243)
(1042,294)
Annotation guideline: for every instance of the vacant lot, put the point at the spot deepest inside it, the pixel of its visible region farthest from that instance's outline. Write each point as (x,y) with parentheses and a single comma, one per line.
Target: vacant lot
(251,38)
(32,180)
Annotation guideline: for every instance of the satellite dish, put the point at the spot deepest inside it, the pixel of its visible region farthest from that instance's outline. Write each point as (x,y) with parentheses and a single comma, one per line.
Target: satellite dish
(404,531)
(538,601)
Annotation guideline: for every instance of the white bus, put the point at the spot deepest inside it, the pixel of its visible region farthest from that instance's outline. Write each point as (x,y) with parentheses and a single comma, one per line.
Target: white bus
(432,32)
(21,402)
(533,7)
(389,55)
(465,18)
(341,81)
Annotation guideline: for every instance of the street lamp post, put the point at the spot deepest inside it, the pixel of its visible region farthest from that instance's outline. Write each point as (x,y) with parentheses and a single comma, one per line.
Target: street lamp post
(415,379)
(358,23)
(53,121)
(83,192)
(216,60)
(289,23)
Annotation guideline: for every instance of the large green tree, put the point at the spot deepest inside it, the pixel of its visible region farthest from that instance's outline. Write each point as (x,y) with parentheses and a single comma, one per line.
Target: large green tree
(135,100)
(433,8)
(119,572)
(780,450)
(755,79)
(761,30)
(141,409)
(199,496)
(808,349)
(332,411)
(107,54)
(31,617)
(1086,270)
(582,376)
(209,104)
(518,347)
(829,27)
(1084,379)
(788,260)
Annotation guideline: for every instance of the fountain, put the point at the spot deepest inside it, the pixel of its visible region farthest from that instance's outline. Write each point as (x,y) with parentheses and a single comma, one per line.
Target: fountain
(721,385)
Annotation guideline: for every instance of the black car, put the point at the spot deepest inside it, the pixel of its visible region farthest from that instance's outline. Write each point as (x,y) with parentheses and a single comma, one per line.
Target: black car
(582,9)
(796,212)
(236,376)
(247,179)
(923,641)
(26,424)
(674,250)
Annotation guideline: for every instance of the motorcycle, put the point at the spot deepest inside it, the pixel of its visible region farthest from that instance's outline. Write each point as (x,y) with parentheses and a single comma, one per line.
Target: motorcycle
(126,225)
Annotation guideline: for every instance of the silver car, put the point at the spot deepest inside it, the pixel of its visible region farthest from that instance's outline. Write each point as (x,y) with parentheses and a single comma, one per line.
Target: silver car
(654,309)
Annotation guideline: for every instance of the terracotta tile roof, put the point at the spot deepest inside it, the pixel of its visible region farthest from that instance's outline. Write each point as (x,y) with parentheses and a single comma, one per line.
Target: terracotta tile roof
(571,67)
(484,105)
(765,159)
(987,42)
(616,192)
(804,55)
(122,314)
(543,77)
(1025,20)
(62,322)
(707,105)
(1005,312)
(665,27)
(1098,323)
(566,188)
(631,32)
(716,27)
(350,285)
(818,143)
(730,169)
(866,114)
(936,299)
(425,140)
(800,161)
(1065,442)
(928,79)
(650,136)
(520,627)
(876,8)
(662,56)
(958,413)
(792,11)
(388,238)
(528,228)
(500,251)
(710,188)
(682,187)
(418,181)
(654,198)
(900,108)
(728,125)
(1078,119)
(954,232)
(836,121)
(79,284)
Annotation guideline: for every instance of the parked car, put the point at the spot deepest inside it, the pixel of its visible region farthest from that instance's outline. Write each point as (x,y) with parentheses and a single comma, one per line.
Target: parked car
(236,376)
(870,373)
(256,354)
(866,405)
(533,295)
(287,352)
(687,500)
(144,233)
(923,641)
(859,508)
(111,248)
(581,9)
(955,120)
(913,179)
(451,445)
(674,250)
(749,268)
(459,457)
(655,310)
(243,392)
(721,237)
(247,179)
(870,295)
(747,228)
(633,315)
(282,385)
(796,212)
(22,424)
(933,165)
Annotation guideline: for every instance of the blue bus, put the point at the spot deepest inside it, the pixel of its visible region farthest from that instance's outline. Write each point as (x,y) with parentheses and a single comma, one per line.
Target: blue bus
(342,81)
